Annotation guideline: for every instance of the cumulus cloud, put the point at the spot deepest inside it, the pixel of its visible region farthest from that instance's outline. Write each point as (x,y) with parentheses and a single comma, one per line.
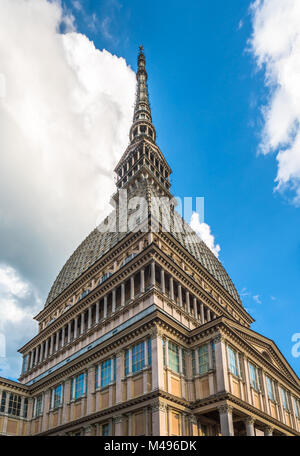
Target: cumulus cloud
(64,123)
(275,43)
(204,232)
(19,301)
(65,115)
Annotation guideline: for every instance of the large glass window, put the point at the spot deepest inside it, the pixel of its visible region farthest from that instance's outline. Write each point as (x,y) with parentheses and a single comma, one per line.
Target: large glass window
(296,407)
(203,359)
(270,388)
(283,394)
(3,402)
(194,362)
(105,429)
(164,351)
(57,400)
(105,373)
(79,385)
(173,353)
(115,368)
(127,362)
(149,344)
(25,409)
(138,357)
(253,377)
(232,361)
(14,404)
(38,405)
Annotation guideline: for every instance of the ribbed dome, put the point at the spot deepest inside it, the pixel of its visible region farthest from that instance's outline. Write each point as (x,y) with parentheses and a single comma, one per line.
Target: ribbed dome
(98,243)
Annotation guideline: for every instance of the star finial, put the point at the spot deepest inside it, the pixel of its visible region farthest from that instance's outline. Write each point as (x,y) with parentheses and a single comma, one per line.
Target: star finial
(141,48)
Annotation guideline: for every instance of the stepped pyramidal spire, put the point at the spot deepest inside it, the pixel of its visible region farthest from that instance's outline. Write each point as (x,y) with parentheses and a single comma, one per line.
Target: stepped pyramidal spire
(142,119)
(143,159)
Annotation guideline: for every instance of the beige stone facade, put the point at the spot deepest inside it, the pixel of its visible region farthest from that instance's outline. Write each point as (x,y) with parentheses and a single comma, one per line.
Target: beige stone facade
(143,333)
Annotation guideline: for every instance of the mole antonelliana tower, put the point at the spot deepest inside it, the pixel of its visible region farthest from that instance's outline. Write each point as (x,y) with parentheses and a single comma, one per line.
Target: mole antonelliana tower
(143,331)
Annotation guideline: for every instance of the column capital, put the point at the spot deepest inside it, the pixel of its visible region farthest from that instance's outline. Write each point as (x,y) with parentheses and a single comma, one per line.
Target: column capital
(156,332)
(225,408)
(249,420)
(219,338)
(158,406)
(118,419)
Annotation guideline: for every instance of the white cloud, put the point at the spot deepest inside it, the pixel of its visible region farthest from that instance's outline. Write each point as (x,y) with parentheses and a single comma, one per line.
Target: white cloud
(275,44)
(257,299)
(64,123)
(19,302)
(203,231)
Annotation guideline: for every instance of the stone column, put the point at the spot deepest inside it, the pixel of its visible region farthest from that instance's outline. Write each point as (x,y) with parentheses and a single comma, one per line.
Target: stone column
(142,280)
(187,300)
(97,311)
(120,376)
(162,280)
(46,348)
(249,422)
(146,421)
(46,407)
(195,308)
(268,431)
(52,345)
(159,419)
(202,313)
(180,295)
(41,352)
(63,336)
(69,332)
(157,361)
(67,394)
(152,273)
(90,317)
(193,425)
(56,340)
(113,307)
(208,315)
(118,425)
(122,294)
(75,327)
(132,287)
(31,359)
(130,430)
(105,307)
(36,355)
(221,365)
(171,288)
(91,390)
(226,422)
(82,323)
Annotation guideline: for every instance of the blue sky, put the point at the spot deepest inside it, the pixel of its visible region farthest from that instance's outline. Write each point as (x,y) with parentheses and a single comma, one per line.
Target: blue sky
(206,95)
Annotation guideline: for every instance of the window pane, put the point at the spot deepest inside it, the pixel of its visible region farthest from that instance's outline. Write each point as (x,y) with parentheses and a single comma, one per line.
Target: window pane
(194,362)
(105,373)
(138,357)
(232,361)
(173,352)
(203,359)
(127,362)
(284,398)
(149,352)
(79,382)
(270,388)
(253,379)
(105,429)
(57,396)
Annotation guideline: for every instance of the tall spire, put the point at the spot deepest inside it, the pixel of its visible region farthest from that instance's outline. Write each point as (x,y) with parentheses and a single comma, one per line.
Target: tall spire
(142,120)
(143,160)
